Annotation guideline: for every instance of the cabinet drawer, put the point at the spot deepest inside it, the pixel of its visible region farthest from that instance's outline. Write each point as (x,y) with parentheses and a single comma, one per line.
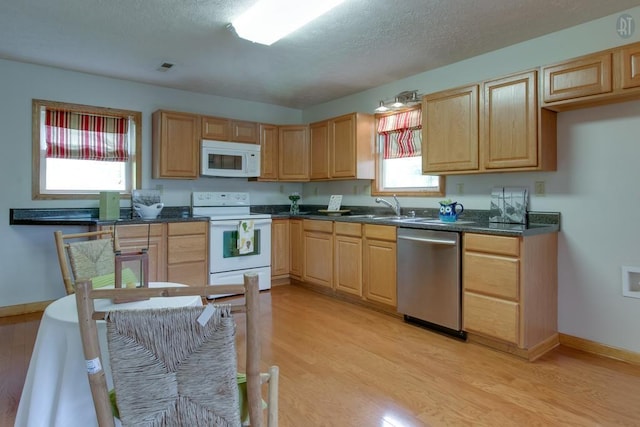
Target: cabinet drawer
(491,275)
(138,230)
(491,316)
(501,245)
(184,228)
(187,248)
(348,229)
(191,273)
(322,226)
(590,75)
(381,232)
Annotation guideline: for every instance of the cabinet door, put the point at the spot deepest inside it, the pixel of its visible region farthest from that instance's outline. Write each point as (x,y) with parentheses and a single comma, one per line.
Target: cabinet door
(279,247)
(631,66)
(589,75)
(216,128)
(135,237)
(293,153)
(244,132)
(509,126)
(175,145)
(380,271)
(268,152)
(347,264)
(318,258)
(450,131)
(187,245)
(295,248)
(319,150)
(342,139)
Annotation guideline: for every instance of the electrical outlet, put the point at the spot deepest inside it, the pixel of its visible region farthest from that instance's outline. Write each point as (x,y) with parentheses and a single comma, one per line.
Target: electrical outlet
(539,188)
(460,188)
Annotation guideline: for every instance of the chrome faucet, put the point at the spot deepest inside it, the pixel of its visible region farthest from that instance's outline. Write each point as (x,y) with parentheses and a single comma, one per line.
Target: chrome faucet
(395,206)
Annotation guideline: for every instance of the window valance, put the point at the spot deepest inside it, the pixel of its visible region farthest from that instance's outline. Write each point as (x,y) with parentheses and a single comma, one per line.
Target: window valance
(72,135)
(401,134)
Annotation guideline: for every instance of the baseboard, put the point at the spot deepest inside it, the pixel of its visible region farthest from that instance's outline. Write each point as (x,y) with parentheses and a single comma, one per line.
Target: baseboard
(600,349)
(16,310)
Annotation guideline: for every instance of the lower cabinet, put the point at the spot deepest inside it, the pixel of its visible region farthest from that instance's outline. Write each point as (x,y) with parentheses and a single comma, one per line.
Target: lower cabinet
(380,264)
(295,248)
(187,244)
(347,258)
(279,248)
(178,251)
(317,249)
(510,292)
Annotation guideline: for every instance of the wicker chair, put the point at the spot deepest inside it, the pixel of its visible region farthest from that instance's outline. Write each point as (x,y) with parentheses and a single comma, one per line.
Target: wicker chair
(176,366)
(86,255)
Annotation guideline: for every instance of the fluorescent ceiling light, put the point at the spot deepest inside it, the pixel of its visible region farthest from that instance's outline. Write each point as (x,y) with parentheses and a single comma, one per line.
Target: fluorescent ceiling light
(270,20)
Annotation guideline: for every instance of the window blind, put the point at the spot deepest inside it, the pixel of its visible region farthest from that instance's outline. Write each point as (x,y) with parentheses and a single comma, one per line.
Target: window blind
(401,134)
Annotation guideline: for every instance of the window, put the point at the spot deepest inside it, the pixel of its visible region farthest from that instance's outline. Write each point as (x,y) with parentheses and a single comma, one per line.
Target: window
(80,150)
(399,158)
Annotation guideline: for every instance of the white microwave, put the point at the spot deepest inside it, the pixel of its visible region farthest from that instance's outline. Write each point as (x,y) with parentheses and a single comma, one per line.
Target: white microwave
(229,159)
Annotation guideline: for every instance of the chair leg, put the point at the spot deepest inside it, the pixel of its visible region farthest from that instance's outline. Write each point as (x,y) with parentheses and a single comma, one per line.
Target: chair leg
(272,418)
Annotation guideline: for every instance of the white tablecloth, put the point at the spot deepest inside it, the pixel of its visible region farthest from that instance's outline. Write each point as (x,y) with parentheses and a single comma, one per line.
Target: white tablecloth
(56,391)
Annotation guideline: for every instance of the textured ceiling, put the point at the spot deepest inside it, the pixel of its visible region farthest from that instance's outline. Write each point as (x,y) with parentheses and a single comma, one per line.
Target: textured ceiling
(359,45)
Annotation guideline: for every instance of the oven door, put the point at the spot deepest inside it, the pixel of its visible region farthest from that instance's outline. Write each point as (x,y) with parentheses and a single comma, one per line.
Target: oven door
(223,252)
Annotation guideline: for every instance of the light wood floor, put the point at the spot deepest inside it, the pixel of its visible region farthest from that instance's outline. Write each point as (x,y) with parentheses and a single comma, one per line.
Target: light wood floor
(344,365)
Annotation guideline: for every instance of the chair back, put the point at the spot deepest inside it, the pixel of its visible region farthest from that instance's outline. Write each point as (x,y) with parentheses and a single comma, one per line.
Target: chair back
(176,366)
(85,255)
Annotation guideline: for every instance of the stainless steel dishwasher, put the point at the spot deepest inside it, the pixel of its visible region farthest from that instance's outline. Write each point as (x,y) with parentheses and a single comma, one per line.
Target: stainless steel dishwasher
(429,288)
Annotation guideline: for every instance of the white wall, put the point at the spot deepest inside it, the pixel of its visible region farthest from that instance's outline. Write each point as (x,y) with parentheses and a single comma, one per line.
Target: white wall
(598,150)
(28,266)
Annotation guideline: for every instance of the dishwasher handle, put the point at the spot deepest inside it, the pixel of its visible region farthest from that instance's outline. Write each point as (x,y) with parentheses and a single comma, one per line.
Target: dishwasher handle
(429,240)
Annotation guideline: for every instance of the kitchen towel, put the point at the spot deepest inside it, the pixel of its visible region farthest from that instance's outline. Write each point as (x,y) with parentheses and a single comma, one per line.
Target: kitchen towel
(245,237)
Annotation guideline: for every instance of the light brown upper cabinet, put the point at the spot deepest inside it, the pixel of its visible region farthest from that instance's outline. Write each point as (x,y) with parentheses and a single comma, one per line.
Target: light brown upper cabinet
(588,75)
(495,126)
(268,152)
(293,153)
(175,145)
(600,78)
(450,131)
(223,129)
(343,147)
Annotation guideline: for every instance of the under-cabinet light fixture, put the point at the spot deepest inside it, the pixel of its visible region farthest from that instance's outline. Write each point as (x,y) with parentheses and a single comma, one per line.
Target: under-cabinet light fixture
(268,21)
(405,99)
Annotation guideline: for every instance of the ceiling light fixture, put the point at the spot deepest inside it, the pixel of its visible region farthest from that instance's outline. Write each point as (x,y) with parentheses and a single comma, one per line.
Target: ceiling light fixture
(406,99)
(268,21)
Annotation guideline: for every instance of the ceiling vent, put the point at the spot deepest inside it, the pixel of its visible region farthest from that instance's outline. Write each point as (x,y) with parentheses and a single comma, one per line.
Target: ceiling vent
(165,66)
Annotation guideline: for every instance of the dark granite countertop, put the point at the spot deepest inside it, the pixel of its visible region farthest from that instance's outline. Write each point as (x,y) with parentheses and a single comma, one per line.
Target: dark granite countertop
(90,216)
(471,221)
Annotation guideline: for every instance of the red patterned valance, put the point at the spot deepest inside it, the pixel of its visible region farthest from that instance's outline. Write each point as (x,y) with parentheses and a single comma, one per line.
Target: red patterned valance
(401,134)
(72,135)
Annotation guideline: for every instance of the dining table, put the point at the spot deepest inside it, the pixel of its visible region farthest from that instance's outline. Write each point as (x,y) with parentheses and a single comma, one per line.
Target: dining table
(56,391)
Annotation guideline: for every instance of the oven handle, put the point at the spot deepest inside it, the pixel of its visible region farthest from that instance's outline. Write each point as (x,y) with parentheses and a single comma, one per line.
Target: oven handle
(235,222)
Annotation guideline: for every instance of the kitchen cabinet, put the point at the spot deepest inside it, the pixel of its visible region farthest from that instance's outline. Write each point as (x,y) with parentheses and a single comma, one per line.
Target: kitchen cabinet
(343,148)
(347,258)
(295,248)
(279,249)
(317,249)
(223,129)
(450,131)
(495,126)
(175,145)
(600,78)
(319,150)
(293,153)
(187,246)
(588,75)
(510,292)
(380,264)
(268,152)
(152,237)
